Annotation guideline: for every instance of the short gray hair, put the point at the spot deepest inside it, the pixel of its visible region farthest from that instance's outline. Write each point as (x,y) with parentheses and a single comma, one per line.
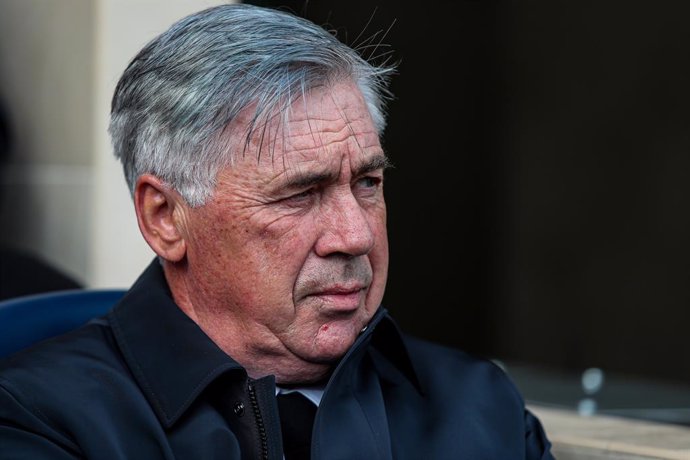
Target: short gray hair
(175,98)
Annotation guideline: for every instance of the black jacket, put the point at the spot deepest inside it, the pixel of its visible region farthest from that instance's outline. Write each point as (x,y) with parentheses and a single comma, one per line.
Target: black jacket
(144,382)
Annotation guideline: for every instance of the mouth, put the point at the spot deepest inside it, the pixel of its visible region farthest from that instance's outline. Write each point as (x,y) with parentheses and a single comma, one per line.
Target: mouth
(340,298)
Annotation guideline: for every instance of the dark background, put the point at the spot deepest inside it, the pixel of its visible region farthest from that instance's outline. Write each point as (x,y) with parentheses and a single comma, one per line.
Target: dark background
(539,205)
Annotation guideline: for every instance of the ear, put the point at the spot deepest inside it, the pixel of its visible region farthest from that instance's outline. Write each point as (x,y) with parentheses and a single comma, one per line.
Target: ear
(158,209)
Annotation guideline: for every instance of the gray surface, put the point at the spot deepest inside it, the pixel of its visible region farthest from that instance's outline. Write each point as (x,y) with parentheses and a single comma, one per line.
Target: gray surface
(620,395)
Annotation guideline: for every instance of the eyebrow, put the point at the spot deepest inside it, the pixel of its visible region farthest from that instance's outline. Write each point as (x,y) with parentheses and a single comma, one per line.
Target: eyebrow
(379,161)
(306,180)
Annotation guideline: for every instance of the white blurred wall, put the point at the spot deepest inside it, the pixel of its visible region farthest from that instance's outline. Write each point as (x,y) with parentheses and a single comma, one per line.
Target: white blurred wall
(63,196)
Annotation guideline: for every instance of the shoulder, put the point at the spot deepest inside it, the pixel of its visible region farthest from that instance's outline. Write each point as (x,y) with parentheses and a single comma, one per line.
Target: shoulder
(443,370)
(91,346)
(467,405)
(49,384)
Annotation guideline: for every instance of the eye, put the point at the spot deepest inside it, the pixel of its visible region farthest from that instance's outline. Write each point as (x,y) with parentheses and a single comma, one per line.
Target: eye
(301,195)
(300,198)
(368,182)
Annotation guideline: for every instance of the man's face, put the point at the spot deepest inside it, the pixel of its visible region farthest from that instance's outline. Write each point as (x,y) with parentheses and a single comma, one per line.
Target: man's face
(289,257)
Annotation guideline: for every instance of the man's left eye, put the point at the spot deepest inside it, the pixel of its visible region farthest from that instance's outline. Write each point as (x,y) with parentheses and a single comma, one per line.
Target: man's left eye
(368,182)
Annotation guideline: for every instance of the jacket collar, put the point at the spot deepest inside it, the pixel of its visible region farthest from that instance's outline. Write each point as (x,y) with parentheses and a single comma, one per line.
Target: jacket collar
(173,360)
(387,339)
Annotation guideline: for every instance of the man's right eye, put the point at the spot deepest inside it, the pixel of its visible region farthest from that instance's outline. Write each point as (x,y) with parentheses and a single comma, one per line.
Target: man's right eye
(300,198)
(303,194)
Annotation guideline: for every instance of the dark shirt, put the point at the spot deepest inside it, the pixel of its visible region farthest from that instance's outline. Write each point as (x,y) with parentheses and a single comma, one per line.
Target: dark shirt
(145,382)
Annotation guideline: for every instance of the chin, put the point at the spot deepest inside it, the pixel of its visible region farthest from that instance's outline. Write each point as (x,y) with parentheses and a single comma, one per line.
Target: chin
(333,341)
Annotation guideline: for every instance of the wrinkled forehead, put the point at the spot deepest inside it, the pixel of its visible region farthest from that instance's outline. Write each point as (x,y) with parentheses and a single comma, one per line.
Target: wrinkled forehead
(326,117)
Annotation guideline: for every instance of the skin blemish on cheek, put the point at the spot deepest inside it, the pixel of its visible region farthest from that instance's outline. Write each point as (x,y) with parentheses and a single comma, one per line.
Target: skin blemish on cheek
(324,328)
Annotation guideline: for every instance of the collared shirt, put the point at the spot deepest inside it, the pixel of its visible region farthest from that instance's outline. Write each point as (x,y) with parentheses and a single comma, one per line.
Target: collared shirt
(312,394)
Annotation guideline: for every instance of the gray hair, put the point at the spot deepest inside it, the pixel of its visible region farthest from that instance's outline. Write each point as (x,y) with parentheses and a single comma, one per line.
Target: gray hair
(179,93)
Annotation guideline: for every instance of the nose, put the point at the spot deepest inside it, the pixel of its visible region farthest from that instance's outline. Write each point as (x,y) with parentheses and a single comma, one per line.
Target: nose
(345,227)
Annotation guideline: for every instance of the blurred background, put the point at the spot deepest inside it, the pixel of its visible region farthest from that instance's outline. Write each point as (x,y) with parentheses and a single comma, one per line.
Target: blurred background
(538,208)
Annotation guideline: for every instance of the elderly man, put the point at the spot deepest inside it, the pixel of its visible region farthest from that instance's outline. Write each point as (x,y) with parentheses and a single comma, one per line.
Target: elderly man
(250,140)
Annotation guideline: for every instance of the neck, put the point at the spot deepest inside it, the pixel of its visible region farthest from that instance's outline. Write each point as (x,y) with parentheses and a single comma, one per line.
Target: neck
(263,356)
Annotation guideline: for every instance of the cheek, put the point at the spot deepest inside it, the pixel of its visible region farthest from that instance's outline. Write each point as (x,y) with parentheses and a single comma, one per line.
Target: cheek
(381,235)
(280,254)
(287,240)
(378,258)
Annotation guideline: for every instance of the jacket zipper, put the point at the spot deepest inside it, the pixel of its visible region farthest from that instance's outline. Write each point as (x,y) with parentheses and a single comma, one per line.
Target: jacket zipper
(259,422)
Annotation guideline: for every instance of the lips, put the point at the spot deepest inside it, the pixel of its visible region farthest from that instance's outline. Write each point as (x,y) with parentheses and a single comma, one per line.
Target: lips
(341,290)
(334,283)
(340,298)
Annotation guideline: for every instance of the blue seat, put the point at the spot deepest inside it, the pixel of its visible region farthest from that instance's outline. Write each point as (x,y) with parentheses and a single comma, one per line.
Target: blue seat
(29,319)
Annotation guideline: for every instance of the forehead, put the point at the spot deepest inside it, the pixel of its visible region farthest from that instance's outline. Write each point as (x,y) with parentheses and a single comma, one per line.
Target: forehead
(323,126)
